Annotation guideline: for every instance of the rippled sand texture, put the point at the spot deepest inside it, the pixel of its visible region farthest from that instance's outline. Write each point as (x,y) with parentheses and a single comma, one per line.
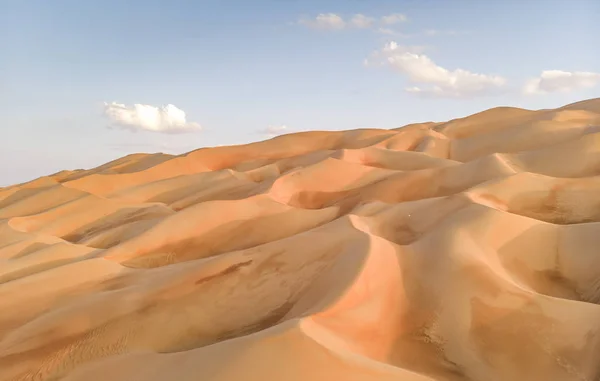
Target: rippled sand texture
(465,250)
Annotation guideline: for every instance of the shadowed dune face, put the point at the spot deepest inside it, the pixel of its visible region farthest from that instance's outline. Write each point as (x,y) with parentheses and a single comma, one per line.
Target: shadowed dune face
(457,251)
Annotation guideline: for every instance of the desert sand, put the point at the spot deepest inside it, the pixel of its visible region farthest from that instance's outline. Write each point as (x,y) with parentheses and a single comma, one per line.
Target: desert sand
(459,251)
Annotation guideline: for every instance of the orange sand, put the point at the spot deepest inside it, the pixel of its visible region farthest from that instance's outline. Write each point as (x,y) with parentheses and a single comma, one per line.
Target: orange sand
(456,251)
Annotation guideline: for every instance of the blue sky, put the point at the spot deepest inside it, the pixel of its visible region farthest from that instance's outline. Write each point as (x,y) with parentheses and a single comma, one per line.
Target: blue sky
(241,69)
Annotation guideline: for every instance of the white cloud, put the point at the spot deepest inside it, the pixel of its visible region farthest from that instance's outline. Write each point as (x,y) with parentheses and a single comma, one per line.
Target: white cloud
(332,21)
(392,32)
(394,18)
(438,81)
(273,131)
(325,21)
(551,81)
(387,31)
(438,32)
(362,21)
(427,33)
(140,117)
(379,57)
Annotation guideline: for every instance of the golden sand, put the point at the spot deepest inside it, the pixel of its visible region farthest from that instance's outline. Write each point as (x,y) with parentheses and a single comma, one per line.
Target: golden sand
(458,251)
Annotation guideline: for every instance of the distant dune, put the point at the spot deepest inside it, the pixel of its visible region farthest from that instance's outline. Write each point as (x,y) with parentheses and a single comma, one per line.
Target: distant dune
(467,250)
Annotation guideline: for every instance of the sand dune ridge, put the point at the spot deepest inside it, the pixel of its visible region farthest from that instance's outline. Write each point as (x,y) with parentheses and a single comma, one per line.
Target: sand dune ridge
(458,251)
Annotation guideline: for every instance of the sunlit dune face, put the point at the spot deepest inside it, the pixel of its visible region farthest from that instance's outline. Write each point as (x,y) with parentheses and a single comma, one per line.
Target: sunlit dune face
(455,251)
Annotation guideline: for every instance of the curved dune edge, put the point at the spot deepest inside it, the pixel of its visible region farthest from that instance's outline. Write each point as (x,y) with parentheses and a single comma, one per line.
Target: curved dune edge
(456,251)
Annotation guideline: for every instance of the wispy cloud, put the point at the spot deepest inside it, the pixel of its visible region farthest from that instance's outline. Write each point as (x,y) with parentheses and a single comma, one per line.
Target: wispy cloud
(394,18)
(393,33)
(440,32)
(551,81)
(140,117)
(333,21)
(430,79)
(273,131)
(361,21)
(425,33)
(328,21)
(379,58)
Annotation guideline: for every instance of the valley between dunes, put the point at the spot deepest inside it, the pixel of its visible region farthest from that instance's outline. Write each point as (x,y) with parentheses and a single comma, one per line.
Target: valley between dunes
(465,250)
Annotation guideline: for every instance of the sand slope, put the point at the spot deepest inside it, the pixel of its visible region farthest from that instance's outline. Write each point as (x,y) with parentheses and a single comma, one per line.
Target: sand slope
(457,251)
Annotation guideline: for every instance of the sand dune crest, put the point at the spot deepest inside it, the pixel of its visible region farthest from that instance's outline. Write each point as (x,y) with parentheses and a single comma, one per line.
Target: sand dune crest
(459,251)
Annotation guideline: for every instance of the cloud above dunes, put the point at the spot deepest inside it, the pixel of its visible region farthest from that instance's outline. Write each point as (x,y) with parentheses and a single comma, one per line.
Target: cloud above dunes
(328,21)
(333,21)
(551,81)
(139,117)
(386,30)
(361,21)
(441,32)
(431,80)
(394,18)
(273,131)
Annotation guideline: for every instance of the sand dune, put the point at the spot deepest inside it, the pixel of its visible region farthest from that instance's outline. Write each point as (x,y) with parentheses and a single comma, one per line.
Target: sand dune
(458,251)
